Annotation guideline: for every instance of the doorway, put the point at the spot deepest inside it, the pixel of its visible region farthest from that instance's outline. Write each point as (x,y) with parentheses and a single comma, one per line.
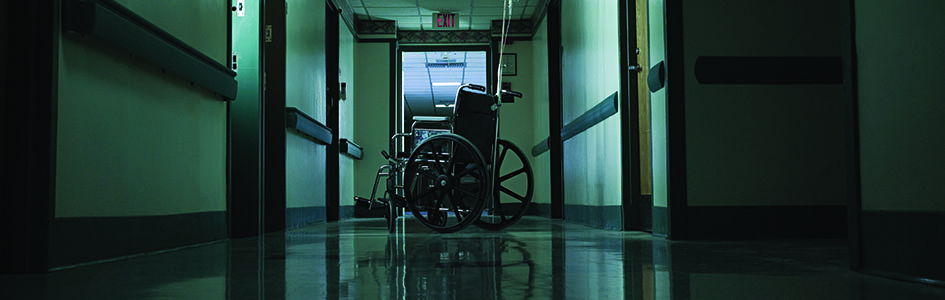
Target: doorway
(429,78)
(245,120)
(635,113)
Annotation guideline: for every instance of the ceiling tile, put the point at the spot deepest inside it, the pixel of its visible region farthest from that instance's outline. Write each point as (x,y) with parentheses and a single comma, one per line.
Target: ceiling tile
(392,11)
(482,19)
(487,11)
(488,3)
(480,26)
(387,3)
(445,5)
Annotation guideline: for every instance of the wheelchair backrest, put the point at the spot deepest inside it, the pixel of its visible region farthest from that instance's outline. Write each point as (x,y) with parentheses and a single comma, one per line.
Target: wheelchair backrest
(474,119)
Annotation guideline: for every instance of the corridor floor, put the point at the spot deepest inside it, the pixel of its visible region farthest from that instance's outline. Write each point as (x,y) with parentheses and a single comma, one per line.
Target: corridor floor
(537,258)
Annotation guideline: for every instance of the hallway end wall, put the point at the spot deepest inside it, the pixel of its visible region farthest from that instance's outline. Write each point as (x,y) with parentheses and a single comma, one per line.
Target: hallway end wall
(541,164)
(371,109)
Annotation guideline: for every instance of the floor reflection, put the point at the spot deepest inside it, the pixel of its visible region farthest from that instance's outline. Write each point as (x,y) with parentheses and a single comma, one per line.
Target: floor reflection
(535,259)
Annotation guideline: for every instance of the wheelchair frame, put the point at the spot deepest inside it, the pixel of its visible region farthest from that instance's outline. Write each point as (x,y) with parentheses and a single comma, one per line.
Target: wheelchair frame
(402,170)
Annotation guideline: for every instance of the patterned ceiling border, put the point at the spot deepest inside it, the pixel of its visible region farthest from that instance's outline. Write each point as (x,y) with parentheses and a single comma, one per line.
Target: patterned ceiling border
(376,29)
(445,37)
(516,27)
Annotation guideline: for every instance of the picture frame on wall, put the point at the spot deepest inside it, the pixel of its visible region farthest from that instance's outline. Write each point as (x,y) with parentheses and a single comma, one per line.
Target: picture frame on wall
(509,64)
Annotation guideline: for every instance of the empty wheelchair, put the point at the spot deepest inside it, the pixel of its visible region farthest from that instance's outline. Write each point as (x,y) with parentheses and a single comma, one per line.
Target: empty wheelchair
(457,171)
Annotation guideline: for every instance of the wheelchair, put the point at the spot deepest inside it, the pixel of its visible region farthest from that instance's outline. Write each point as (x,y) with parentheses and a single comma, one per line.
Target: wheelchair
(458,171)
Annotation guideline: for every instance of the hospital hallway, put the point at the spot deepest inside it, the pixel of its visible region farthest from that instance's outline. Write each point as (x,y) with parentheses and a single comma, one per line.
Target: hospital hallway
(540,259)
(472,149)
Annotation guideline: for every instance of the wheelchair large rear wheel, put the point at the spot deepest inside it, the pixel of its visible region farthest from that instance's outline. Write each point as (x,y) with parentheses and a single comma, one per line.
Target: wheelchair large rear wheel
(513,188)
(446,183)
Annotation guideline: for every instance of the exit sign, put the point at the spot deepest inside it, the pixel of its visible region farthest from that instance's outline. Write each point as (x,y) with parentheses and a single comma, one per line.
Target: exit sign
(445,20)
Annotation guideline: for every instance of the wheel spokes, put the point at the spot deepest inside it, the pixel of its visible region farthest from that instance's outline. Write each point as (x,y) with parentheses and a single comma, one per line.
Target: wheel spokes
(459,218)
(469,169)
(510,175)
(467,193)
(505,150)
(511,193)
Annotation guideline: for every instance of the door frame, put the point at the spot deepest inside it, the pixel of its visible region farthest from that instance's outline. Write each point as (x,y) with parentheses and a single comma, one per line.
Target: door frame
(273,25)
(397,66)
(332,159)
(629,119)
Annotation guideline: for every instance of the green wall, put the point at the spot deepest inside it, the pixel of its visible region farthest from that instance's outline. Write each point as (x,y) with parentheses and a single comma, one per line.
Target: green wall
(199,23)
(899,50)
(899,47)
(132,141)
(515,121)
(539,100)
(346,113)
(305,90)
(764,145)
(372,110)
(657,52)
(590,71)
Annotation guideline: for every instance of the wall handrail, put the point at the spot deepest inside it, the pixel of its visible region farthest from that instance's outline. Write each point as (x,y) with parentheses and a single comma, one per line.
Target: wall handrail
(308,126)
(119,27)
(350,149)
(588,119)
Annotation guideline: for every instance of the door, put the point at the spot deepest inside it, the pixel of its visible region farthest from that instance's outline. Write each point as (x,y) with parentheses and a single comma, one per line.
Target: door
(245,119)
(642,66)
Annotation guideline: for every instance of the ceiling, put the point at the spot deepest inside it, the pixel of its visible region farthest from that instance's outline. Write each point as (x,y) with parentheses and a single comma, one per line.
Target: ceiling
(418,14)
(432,78)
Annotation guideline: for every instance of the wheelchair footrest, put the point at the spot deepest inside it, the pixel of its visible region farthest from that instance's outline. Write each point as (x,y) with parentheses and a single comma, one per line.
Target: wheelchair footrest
(372,203)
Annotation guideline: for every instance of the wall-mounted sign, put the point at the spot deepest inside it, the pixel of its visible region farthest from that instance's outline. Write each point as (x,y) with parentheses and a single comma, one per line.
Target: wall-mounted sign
(509,64)
(445,20)
(240,10)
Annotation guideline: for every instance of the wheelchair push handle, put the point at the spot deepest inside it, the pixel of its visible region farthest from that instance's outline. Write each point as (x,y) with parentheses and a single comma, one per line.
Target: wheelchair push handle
(512,93)
(474,87)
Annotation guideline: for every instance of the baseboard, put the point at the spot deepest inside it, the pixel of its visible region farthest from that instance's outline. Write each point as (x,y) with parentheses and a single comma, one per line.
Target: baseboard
(296,217)
(904,245)
(539,210)
(346,212)
(85,239)
(765,222)
(660,221)
(603,217)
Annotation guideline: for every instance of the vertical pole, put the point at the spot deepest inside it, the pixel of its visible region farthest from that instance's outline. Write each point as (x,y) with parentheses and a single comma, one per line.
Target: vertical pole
(555,144)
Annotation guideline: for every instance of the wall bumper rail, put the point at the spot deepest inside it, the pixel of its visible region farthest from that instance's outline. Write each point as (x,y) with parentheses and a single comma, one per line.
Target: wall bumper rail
(111,23)
(597,114)
(350,149)
(307,126)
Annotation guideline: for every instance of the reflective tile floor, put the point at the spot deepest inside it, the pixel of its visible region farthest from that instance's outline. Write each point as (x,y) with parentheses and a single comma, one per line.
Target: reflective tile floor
(535,259)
